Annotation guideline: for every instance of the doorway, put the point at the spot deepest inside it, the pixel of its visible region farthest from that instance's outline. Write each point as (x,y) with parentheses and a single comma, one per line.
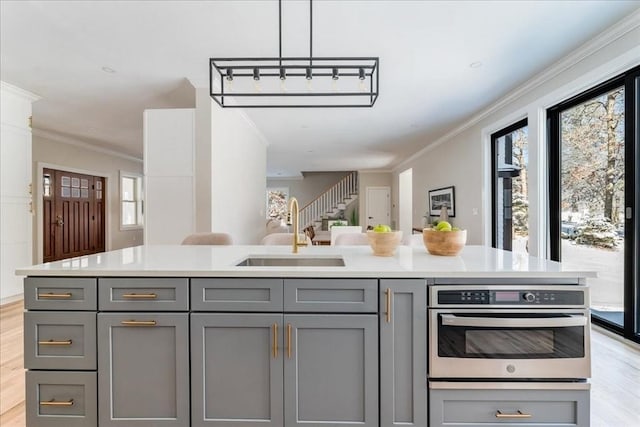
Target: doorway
(73,207)
(378,206)
(405,202)
(593,186)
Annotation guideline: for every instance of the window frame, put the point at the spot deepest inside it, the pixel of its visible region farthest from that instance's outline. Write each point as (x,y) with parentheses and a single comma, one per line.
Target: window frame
(494,174)
(138,200)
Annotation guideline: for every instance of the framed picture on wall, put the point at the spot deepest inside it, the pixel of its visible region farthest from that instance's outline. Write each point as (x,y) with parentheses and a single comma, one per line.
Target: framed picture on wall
(442,198)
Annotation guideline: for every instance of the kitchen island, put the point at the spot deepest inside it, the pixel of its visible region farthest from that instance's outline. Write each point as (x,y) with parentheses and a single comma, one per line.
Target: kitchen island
(254,336)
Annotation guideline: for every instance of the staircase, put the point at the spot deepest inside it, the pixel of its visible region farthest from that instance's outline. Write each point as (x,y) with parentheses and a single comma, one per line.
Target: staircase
(326,204)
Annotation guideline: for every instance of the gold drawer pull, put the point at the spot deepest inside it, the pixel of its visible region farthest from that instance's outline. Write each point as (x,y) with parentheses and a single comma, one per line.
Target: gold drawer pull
(289,329)
(138,322)
(54,342)
(519,414)
(56,403)
(388,305)
(57,296)
(274,345)
(140,296)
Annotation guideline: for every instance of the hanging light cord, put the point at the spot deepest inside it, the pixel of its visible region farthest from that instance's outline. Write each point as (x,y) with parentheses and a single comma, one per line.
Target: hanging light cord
(310,32)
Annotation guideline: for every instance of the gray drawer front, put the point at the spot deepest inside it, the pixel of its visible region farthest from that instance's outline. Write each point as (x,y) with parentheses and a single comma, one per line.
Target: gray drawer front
(78,388)
(58,340)
(264,295)
(331,295)
(143,294)
(480,407)
(60,293)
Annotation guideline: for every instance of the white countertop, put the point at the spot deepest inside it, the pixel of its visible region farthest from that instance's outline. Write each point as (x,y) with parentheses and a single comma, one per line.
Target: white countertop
(220,261)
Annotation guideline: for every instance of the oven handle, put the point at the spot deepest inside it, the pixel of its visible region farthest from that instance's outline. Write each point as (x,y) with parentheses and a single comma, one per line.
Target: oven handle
(502,322)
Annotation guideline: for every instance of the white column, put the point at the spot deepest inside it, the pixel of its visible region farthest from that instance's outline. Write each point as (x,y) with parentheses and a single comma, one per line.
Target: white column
(15,187)
(169,173)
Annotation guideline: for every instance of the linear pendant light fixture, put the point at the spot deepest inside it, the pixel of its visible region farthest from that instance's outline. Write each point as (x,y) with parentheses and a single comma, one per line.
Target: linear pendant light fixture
(294,82)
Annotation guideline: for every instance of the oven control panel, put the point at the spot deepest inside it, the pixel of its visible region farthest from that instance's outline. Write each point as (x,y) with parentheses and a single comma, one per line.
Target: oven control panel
(533,297)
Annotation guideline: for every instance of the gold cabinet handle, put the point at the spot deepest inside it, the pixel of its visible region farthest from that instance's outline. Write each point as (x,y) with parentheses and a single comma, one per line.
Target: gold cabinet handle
(274,344)
(56,403)
(519,414)
(138,323)
(140,296)
(57,296)
(388,307)
(54,342)
(289,328)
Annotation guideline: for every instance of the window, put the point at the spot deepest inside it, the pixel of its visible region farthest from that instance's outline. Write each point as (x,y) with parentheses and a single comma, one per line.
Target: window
(510,195)
(277,199)
(131,213)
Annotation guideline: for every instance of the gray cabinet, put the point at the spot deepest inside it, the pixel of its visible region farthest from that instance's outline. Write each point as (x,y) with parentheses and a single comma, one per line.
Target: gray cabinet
(143,375)
(279,369)
(237,370)
(331,370)
(59,343)
(509,404)
(143,294)
(403,352)
(60,340)
(61,399)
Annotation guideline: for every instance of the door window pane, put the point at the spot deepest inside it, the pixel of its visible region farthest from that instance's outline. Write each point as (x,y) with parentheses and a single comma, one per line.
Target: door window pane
(592,197)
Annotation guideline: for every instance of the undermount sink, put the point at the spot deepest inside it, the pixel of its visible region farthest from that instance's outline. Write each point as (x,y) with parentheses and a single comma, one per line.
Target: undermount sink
(291,262)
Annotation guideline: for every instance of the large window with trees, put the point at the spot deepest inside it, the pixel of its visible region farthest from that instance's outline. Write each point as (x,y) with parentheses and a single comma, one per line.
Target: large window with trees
(593,187)
(510,195)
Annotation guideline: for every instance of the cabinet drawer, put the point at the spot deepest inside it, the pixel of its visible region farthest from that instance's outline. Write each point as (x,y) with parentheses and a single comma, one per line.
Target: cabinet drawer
(143,294)
(60,293)
(331,295)
(61,399)
(509,404)
(58,340)
(221,294)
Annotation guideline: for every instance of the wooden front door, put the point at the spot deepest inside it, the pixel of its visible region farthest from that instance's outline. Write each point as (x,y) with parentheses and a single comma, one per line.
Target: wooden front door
(74,209)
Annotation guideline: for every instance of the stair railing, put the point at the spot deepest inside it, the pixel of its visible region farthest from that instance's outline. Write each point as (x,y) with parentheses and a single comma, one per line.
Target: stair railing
(328,200)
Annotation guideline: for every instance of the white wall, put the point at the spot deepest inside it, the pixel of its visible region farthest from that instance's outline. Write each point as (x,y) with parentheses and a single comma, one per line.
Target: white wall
(238,174)
(461,158)
(51,150)
(15,199)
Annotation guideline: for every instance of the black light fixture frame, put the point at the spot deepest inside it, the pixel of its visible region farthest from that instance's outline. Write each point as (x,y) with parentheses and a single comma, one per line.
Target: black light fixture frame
(273,67)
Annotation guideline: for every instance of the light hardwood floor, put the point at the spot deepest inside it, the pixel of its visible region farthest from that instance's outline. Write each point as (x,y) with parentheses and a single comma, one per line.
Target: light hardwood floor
(615,382)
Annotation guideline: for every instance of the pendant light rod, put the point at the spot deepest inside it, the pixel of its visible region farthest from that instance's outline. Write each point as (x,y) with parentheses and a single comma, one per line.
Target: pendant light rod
(280,31)
(310,32)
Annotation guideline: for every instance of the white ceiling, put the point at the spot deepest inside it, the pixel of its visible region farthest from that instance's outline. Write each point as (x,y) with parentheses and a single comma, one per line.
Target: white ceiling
(158,48)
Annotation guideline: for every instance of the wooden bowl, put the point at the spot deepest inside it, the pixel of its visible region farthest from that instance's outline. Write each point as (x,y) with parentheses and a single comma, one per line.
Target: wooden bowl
(384,244)
(447,243)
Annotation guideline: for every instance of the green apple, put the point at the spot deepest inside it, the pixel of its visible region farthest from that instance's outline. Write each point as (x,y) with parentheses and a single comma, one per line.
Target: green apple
(443,226)
(382,228)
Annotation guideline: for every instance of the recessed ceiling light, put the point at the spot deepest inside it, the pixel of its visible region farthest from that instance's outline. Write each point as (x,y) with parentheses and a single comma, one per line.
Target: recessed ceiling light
(476,64)
(108,70)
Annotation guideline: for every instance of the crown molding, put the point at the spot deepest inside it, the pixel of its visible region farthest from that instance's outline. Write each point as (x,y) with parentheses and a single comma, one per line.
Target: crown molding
(587,49)
(15,90)
(64,139)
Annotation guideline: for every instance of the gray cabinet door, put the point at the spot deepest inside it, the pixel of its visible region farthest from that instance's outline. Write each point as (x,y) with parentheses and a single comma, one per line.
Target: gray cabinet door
(403,352)
(331,370)
(331,295)
(236,370)
(236,294)
(143,375)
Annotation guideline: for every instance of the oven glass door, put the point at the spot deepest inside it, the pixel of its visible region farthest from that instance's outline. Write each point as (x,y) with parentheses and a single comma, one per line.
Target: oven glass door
(481,335)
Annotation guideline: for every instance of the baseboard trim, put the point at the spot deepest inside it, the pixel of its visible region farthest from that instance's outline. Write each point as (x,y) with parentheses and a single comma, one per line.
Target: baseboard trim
(11,299)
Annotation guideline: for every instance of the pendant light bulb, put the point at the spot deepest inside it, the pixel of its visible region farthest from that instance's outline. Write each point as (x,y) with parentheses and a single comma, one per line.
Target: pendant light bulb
(283,74)
(361,77)
(256,74)
(229,79)
(334,74)
(309,78)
